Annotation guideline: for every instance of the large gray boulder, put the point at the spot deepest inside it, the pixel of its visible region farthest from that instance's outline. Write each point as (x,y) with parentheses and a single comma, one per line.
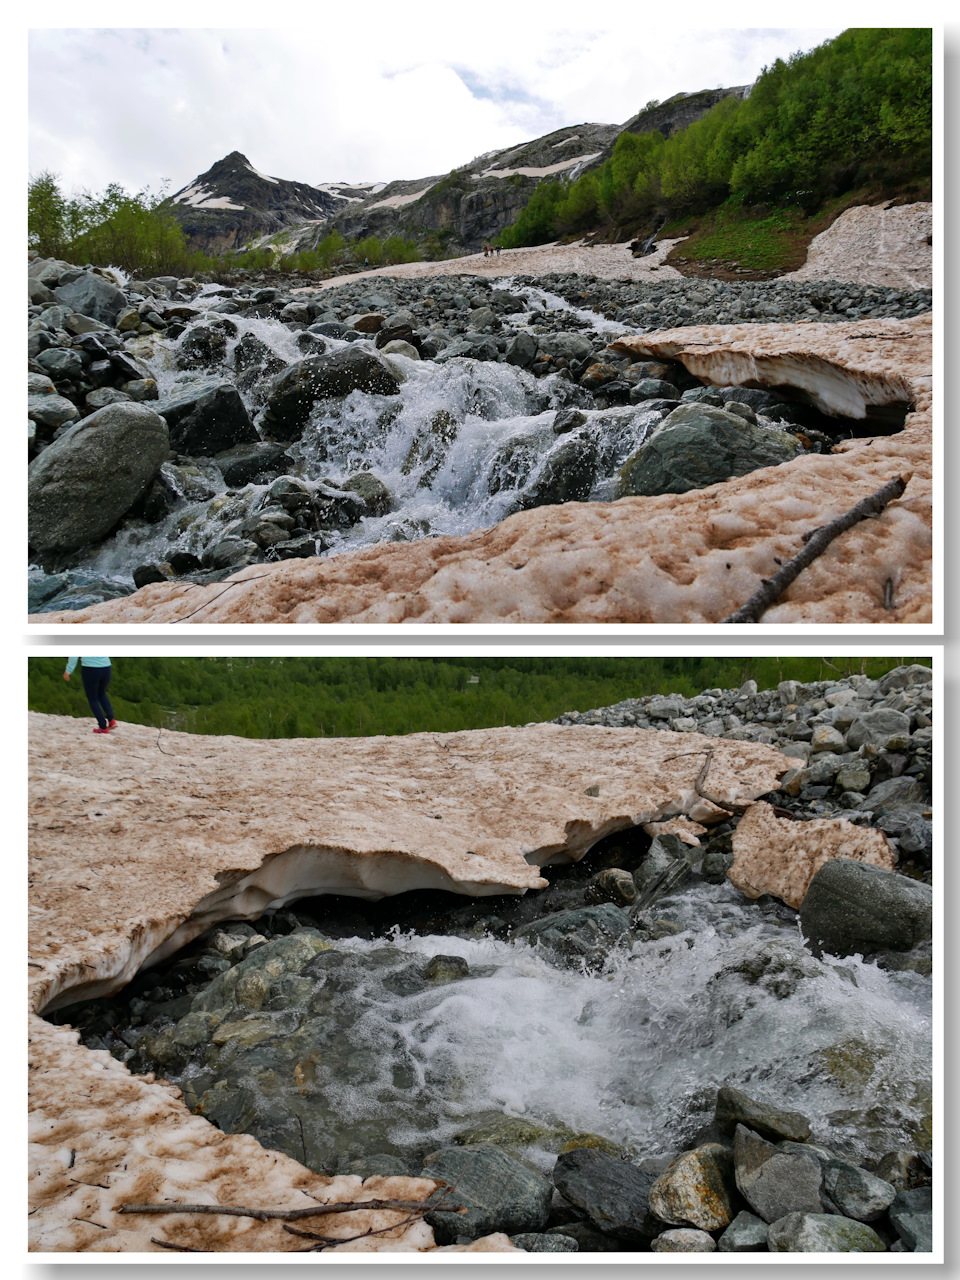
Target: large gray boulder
(854,908)
(696,446)
(81,485)
(876,727)
(92,295)
(500,1193)
(292,394)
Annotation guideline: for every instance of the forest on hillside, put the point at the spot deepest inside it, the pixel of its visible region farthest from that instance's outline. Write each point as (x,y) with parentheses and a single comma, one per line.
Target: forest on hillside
(293,697)
(853,114)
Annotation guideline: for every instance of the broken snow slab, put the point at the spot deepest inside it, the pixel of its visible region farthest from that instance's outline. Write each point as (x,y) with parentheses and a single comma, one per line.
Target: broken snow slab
(778,856)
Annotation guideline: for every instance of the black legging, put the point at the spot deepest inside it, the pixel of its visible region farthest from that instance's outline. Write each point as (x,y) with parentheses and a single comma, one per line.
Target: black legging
(95,681)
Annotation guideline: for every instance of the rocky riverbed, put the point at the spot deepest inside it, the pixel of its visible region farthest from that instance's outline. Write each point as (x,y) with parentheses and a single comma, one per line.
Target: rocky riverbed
(182,432)
(712,1031)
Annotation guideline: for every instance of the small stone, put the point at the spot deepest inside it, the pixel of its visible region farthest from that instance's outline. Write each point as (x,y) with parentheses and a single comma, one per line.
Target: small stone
(683,1240)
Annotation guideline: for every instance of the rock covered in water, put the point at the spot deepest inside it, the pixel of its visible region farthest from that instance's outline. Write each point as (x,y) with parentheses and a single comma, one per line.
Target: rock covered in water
(294,392)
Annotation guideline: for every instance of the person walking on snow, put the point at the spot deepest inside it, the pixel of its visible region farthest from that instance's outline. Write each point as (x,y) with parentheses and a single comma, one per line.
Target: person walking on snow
(96,673)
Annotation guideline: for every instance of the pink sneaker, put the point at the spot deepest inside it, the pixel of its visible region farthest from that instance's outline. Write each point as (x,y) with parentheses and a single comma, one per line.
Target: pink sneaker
(111,725)
(99,730)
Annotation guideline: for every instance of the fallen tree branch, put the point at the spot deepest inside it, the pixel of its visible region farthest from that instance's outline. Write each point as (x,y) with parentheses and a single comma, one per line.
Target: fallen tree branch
(817,541)
(292,1215)
(722,804)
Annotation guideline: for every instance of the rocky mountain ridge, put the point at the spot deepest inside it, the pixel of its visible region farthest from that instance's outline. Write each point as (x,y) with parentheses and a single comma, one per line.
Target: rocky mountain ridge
(234,205)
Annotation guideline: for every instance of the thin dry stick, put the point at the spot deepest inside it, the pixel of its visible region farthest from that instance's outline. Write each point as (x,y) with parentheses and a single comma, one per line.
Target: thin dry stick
(242,583)
(817,541)
(330,1240)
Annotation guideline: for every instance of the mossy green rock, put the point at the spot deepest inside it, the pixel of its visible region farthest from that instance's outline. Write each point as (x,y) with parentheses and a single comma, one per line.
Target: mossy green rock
(822,1233)
(510,1132)
(696,446)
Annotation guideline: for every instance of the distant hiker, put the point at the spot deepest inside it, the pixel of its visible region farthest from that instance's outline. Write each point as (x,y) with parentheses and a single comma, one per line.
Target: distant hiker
(366,263)
(498,251)
(96,673)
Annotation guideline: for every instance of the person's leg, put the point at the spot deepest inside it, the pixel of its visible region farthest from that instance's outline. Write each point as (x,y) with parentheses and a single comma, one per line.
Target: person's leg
(91,687)
(105,673)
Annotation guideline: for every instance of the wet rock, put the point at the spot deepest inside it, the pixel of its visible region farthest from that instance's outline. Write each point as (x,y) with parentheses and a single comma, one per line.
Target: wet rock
(853,908)
(379,1165)
(535,1242)
(612,885)
(522,350)
(292,395)
(857,1193)
(569,937)
(567,474)
(214,421)
(500,1193)
(81,485)
(441,969)
(746,1234)
(250,463)
(821,1233)
(696,446)
(911,1216)
(684,1240)
(612,1193)
(774,1183)
(377,498)
(697,1189)
(734,1107)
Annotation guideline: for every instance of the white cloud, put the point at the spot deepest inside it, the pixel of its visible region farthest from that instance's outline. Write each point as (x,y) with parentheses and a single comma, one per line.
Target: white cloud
(389,92)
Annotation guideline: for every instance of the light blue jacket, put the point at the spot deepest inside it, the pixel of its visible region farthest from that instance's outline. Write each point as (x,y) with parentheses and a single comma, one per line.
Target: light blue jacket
(87,662)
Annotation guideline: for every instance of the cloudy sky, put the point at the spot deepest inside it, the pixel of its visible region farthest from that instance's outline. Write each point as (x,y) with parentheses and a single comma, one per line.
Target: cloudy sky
(369,91)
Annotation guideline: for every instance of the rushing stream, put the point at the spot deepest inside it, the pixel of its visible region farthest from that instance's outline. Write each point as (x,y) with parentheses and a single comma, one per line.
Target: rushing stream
(464,444)
(333,1049)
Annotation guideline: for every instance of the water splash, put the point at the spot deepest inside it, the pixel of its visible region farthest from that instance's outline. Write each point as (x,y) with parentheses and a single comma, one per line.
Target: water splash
(372,1058)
